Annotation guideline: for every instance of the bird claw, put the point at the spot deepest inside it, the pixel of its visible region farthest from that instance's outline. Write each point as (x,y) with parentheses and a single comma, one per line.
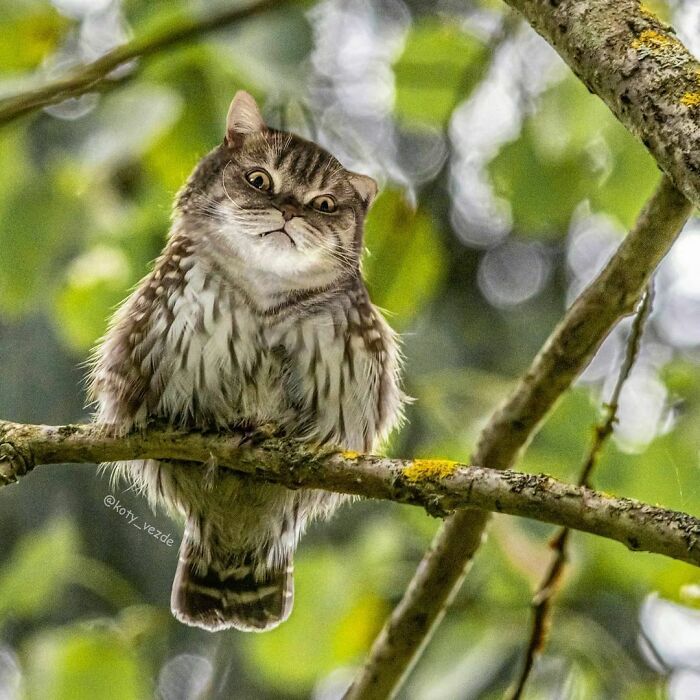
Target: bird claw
(248,435)
(13,464)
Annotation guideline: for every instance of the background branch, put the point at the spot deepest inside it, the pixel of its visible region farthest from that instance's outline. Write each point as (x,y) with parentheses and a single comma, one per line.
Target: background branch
(627,56)
(564,355)
(91,75)
(548,588)
(440,486)
(650,81)
(59,178)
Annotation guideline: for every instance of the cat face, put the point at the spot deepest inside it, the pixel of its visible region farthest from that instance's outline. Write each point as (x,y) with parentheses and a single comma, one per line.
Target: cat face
(281,204)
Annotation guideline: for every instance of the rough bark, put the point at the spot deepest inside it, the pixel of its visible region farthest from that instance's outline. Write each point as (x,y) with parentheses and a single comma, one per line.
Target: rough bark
(439,486)
(635,63)
(620,50)
(652,85)
(543,599)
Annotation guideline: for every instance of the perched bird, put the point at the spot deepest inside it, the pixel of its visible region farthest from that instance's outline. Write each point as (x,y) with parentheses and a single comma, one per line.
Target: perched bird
(255,313)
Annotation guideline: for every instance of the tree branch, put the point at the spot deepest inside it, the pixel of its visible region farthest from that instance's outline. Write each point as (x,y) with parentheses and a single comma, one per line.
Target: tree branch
(635,63)
(91,76)
(625,54)
(566,352)
(551,581)
(652,84)
(440,486)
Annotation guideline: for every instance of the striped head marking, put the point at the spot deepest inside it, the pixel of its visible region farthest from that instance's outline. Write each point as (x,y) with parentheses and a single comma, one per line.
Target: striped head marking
(283,205)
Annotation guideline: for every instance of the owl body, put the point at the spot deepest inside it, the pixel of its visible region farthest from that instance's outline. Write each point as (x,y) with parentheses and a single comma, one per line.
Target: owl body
(234,328)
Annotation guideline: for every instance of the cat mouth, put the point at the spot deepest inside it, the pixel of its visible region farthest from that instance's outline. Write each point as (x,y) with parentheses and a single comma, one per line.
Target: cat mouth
(279,230)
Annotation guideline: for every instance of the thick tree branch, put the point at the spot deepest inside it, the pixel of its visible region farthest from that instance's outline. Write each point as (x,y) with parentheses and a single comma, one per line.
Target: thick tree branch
(564,355)
(440,486)
(91,76)
(652,84)
(621,51)
(635,63)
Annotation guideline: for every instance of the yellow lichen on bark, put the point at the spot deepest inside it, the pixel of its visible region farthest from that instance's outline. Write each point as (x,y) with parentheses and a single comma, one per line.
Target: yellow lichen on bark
(652,39)
(350,454)
(663,46)
(421,469)
(691,99)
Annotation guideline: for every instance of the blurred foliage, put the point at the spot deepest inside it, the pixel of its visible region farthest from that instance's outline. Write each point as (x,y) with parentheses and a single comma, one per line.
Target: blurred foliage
(85,196)
(438,62)
(342,613)
(395,233)
(50,553)
(560,159)
(83,662)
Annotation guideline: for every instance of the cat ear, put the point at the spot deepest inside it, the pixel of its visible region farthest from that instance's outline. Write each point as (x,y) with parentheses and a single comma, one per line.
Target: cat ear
(243,116)
(365,186)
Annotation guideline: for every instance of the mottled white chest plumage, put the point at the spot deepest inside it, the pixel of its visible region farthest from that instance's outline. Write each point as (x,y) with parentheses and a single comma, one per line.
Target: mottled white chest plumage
(217,356)
(190,348)
(215,361)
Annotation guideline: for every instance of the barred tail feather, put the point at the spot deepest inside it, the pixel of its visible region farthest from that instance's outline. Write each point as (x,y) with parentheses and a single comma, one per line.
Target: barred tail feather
(239,594)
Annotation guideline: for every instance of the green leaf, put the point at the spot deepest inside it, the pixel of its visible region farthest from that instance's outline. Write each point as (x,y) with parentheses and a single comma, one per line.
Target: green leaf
(40,222)
(96,282)
(406,259)
(342,615)
(100,278)
(569,150)
(29,36)
(201,121)
(40,565)
(630,163)
(45,562)
(542,191)
(83,662)
(439,66)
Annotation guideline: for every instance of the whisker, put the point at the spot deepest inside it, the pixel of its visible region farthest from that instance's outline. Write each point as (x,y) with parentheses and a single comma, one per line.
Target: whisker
(346,260)
(223,185)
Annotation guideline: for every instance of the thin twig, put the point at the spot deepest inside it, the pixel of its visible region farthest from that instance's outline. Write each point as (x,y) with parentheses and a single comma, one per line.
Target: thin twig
(543,599)
(90,76)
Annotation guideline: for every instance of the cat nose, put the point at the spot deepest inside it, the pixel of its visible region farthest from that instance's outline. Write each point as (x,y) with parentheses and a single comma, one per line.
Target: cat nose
(289,208)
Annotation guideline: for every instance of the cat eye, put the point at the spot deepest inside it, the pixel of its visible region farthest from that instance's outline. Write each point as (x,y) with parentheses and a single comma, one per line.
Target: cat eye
(259,179)
(324,203)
